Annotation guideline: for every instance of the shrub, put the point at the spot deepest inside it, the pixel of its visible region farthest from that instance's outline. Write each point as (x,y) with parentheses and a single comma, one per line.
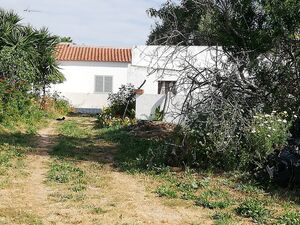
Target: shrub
(254,209)
(218,146)
(123,100)
(266,133)
(56,104)
(106,119)
(118,102)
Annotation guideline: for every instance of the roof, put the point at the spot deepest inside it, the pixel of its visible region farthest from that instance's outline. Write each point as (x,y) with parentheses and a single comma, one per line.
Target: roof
(71,52)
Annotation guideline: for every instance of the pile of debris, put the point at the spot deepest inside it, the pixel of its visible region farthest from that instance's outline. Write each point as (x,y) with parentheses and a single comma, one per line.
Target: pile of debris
(152,129)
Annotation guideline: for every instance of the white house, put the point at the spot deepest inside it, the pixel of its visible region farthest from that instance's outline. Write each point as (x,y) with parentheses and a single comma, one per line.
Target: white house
(93,72)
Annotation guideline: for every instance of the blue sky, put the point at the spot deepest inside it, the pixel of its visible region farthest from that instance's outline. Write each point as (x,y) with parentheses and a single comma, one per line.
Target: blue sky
(116,23)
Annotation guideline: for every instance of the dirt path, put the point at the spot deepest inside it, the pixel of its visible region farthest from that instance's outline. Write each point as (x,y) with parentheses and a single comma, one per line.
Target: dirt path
(111,197)
(135,205)
(25,200)
(35,188)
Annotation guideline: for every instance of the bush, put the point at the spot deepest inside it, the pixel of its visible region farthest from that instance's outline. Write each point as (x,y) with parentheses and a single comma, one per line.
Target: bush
(106,119)
(254,209)
(245,147)
(56,104)
(266,133)
(123,100)
(118,102)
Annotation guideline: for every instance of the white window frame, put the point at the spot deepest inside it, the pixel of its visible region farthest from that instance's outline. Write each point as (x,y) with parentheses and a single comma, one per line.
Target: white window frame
(103,76)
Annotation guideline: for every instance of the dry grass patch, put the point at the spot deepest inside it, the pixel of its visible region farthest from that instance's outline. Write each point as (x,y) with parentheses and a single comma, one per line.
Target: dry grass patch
(18,216)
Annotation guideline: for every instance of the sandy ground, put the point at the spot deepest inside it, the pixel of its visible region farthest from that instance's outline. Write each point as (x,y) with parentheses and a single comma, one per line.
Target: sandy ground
(111,197)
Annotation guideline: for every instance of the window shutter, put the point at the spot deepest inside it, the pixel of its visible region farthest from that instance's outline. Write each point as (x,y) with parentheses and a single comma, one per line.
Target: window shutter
(99,84)
(108,82)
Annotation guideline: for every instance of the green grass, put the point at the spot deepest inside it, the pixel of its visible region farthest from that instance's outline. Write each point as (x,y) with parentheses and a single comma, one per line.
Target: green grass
(135,154)
(165,191)
(255,209)
(12,163)
(224,191)
(223,218)
(72,129)
(289,218)
(213,199)
(65,172)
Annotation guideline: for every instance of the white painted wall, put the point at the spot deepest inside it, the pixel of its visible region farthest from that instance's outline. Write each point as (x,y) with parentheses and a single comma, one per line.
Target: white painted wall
(79,87)
(150,63)
(166,63)
(146,105)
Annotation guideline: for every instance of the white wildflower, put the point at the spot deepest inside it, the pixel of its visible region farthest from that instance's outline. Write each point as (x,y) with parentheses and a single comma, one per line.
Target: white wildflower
(295,116)
(269,135)
(284,121)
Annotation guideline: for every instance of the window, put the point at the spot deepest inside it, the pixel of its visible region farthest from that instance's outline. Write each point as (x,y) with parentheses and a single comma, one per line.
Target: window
(103,84)
(166,86)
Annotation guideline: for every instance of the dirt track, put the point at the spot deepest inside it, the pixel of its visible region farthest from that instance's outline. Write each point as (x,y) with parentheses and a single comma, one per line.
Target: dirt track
(111,196)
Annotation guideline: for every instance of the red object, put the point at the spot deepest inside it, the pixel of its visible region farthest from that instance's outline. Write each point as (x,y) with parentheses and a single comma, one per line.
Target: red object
(71,52)
(139,91)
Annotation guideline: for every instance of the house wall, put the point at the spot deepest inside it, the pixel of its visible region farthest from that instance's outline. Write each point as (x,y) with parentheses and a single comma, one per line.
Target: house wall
(166,63)
(150,63)
(146,105)
(79,87)
(137,75)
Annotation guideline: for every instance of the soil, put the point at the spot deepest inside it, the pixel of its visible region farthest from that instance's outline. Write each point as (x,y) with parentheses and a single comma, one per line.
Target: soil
(112,196)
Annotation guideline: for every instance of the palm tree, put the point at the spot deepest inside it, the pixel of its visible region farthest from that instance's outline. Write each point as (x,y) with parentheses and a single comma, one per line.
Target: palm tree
(27,55)
(48,72)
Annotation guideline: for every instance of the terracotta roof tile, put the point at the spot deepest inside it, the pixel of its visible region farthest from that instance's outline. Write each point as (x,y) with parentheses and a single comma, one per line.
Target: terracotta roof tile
(70,52)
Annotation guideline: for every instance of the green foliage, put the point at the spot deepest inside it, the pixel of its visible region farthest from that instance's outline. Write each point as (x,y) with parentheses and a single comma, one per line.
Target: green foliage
(65,39)
(259,40)
(63,172)
(266,133)
(135,153)
(213,199)
(289,218)
(165,191)
(123,100)
(107,119)
(254,209)
(27,68)
(158,114)
(188,15)
(118,102)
